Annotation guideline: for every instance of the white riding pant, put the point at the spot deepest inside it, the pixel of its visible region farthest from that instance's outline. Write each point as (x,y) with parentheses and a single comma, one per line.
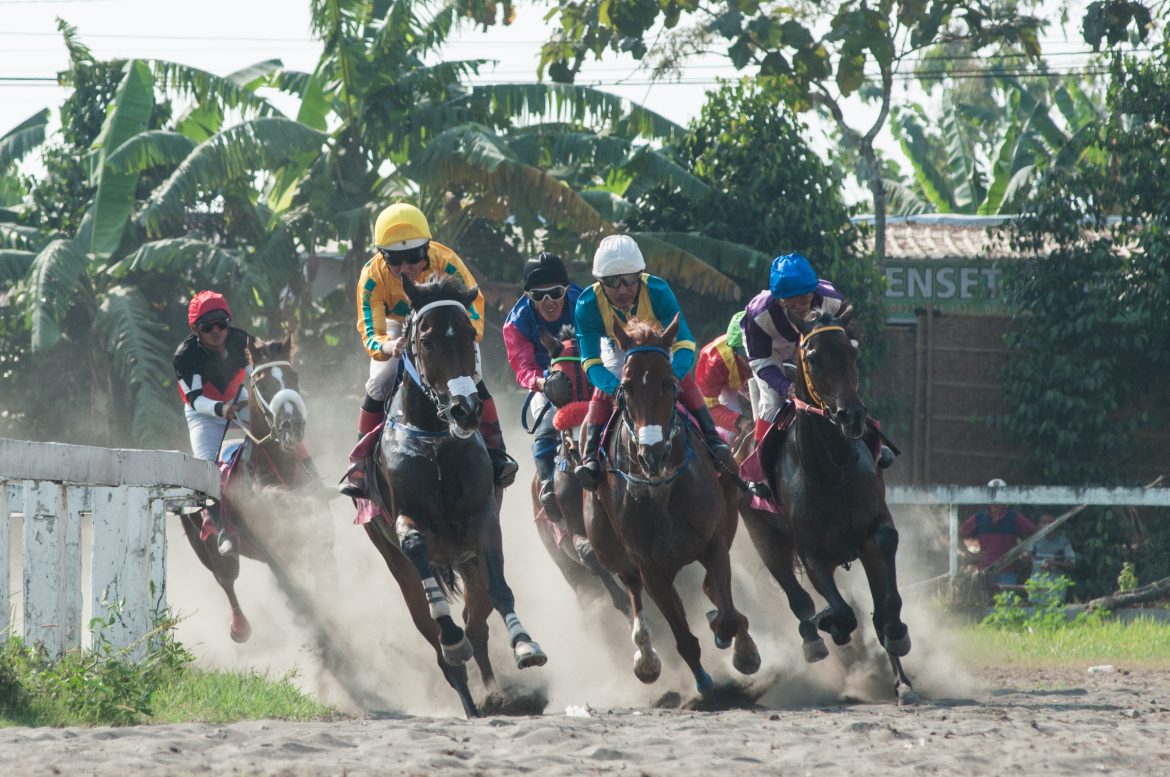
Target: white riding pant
(766,403)
(207,432)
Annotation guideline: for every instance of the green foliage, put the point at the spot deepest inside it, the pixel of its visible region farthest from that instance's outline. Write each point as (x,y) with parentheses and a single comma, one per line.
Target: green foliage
(1136,642)
(1127,580)
(1043,610)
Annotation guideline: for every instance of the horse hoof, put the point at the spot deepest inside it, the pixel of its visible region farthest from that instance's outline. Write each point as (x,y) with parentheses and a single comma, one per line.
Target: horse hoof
(458,654)
(746,661)
(528,654)
(815,650)
(647,665)
(898,647)
(720,643)
(907,696)
(241,630)
(703,682)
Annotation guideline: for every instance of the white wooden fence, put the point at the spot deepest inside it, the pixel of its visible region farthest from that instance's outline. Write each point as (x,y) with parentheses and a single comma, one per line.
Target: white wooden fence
(950,498)
(124,493)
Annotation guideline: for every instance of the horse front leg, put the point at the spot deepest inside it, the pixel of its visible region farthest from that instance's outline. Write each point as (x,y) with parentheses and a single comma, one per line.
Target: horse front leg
(727,623)
(453,644)
(878,554)
(416,603)
(617,595)
(661,589)
(225,569)
(525,650)
(779,556)
(838,619)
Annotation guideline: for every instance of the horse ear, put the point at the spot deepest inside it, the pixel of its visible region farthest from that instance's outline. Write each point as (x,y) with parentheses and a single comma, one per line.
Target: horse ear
(846,315)
(804,326)
(410,289)
(790,370)
(623,340)
(670,332)
(253,345)
(290,342)
(551,344)
(470,297)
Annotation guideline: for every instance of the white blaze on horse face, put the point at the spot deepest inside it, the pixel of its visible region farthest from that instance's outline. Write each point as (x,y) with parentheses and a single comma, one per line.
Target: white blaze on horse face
(288,396)
(650,435)
(462,386)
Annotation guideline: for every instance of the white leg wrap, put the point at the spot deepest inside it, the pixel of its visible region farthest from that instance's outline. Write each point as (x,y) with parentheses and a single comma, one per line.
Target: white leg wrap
(514,628)
(435,599)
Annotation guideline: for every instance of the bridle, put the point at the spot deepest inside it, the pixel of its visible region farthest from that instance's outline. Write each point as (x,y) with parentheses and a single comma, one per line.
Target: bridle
(818,406)
(269,408)
(627,422)
(460,386)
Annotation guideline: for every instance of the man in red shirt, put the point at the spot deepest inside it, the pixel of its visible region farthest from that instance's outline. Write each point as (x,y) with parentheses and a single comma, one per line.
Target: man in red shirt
(998,529)
(722,372)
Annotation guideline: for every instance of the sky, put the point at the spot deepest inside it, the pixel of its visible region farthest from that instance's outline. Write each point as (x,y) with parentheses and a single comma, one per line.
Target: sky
(222,36)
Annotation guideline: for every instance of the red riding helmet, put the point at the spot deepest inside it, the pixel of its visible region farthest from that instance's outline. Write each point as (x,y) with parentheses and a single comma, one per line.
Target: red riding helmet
(205,302)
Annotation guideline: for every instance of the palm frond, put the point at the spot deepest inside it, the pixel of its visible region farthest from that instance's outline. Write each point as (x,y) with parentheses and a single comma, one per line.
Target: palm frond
(651,168)
(140,357)
(903,200)
(181,255)
(676,257)
(114,199)
(22,139)
(54,279)
(254,76)
(916,146)
(258,144)
(14,265)
(612,208)
(582,105)
(206,88)
(150,149)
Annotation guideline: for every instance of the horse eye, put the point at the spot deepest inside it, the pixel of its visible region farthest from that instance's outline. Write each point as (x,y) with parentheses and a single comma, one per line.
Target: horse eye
(427,343)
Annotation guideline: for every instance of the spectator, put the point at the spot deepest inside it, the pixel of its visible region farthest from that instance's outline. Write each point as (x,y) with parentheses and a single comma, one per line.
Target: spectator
(998,529)
(1052,555)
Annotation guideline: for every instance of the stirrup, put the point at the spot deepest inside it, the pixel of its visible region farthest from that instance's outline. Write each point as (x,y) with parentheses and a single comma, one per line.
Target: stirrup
(226,546)
(762,490)
(353,484)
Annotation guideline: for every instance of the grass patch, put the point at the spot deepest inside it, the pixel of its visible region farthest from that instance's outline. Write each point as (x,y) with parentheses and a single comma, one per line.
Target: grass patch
(1140,642)
(104,686)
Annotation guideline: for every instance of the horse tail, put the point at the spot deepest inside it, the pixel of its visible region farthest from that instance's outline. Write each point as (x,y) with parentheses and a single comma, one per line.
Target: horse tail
(448,582)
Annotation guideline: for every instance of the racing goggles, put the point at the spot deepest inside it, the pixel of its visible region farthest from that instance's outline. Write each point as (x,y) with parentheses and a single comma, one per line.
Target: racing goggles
(552,292)
(626,279)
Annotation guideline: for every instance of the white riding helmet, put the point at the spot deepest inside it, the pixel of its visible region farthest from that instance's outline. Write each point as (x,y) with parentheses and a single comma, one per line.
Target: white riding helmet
(617,255)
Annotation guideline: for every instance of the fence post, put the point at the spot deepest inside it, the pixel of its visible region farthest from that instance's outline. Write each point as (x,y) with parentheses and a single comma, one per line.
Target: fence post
(52,567)
(953,541)
(5,561)
(121,565)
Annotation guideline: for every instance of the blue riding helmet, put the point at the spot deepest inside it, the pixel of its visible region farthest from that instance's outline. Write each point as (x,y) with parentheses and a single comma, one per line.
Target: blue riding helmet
(791,276)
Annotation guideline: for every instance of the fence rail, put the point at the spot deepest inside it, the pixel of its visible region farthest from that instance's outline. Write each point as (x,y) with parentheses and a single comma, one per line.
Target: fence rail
(124,494)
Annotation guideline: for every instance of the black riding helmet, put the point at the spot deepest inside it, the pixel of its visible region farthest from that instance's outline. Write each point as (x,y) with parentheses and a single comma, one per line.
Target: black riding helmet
(545,269)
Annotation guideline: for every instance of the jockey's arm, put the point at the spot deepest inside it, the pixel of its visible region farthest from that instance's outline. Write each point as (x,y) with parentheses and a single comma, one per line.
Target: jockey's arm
(590,330)
(371,304)
(522,357)
(665,306)
(761,353)
(475,312)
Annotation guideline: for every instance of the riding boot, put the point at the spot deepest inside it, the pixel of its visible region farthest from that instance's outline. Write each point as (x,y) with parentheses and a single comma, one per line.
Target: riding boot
(223,540)
(546,491)
(504,467)
(588,472)
(760,488)
(353,483)
(715,442)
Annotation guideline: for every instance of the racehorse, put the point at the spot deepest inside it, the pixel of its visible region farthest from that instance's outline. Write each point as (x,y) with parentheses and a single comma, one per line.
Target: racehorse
(567,391)
(272,455)
(831,499)
(435,480)
(662,506)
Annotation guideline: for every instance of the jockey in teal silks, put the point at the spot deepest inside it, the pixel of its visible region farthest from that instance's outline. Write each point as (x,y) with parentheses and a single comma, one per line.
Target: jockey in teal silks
(625,290)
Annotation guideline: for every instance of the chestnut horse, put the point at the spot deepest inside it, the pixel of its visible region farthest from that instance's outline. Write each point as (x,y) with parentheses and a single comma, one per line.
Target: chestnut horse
(832,500)
(565,540)
(435,480)
(661,506)
(272,456)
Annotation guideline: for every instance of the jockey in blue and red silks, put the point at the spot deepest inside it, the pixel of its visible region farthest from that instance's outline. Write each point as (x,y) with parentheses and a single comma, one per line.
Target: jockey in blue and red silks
(770,338)
(624,290)
(547,306)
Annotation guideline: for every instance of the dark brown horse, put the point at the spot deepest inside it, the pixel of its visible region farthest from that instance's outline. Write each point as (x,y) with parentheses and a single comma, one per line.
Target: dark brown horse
(565,539)
(272,457)
(661,506)
(832,500)
(435,480)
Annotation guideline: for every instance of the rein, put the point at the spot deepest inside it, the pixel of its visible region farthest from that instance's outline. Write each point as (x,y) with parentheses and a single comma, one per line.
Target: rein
(443,410)
(631,478)
(265,407)
(812,391)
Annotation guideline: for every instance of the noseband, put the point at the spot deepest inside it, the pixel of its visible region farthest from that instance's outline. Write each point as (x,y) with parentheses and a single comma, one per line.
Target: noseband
(269,407)
(623,411)
(455,387)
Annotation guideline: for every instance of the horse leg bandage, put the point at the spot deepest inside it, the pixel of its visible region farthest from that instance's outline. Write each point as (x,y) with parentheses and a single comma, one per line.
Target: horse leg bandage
(436,601)
(516,631)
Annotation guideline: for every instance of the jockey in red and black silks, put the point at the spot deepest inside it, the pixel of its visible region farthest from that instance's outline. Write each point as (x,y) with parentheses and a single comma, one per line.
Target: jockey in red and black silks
(545,308)
(211,368)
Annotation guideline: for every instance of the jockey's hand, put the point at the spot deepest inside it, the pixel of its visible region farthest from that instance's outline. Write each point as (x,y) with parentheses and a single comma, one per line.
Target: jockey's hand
(791,391)
(395,347)
(743,425)
(231,410)
(539,385)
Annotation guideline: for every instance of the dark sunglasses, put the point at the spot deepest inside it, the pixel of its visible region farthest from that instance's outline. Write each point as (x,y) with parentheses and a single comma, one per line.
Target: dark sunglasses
(614,281)
(212,326)
(399,258)
(539,295)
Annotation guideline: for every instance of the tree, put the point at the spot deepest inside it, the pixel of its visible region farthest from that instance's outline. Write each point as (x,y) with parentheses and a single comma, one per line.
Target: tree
(816,55)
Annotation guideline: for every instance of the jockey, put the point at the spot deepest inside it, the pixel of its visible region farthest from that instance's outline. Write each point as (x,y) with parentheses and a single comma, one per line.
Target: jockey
(547,306)
(771,339)
(624,290)
(211,367)
(402,239)
(722,373)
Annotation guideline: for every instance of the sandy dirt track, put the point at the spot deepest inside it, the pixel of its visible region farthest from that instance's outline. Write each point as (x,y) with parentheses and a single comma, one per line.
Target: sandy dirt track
(1032,723)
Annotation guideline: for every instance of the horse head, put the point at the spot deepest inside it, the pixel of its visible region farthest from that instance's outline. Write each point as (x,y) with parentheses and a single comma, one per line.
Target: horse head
(274,391)
(827,375)
(566,381)
(441,344)
(649,390)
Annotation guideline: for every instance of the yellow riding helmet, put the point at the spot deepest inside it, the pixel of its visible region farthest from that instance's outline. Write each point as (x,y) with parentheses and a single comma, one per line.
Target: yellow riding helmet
(401,226)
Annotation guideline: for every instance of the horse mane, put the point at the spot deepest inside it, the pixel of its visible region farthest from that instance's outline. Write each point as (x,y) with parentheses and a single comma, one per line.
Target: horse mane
(643,332)
(271,350)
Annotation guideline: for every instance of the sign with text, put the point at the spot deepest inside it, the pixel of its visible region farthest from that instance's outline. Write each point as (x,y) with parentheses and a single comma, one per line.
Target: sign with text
(954,286)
